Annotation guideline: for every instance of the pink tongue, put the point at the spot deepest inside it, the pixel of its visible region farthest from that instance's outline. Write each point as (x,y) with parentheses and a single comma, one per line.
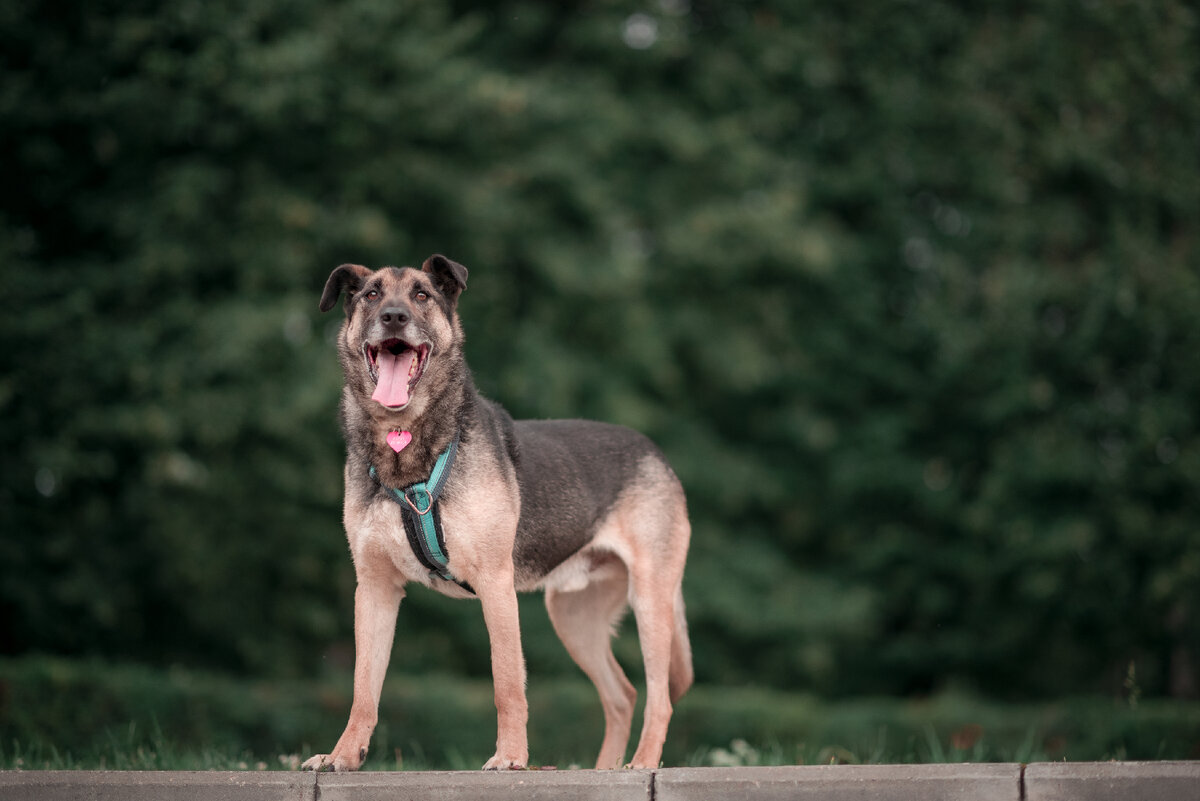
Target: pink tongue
(392,389)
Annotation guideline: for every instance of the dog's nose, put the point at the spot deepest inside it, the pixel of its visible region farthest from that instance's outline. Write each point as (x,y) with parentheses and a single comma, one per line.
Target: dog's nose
(394,315)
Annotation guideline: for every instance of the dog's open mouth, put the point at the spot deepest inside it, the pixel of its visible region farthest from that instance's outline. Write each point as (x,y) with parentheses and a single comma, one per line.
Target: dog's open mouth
(396,367)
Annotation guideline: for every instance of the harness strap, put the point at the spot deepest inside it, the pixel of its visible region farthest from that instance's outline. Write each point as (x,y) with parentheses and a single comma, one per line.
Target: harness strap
(422,517)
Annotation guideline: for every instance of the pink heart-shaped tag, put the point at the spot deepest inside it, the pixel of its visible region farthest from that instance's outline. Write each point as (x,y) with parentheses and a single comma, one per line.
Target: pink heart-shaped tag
(398,439)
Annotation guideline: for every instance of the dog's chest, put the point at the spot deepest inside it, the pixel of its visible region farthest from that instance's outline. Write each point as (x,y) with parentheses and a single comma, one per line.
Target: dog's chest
(477,519)
(377,531)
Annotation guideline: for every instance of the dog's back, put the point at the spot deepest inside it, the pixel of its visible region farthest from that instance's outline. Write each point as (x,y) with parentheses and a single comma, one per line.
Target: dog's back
(572,474)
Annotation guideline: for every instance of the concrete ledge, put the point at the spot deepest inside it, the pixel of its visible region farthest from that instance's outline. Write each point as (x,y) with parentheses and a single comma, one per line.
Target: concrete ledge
(183,785)
(1060,781)
(1108,781)
(842,783)
(551,785)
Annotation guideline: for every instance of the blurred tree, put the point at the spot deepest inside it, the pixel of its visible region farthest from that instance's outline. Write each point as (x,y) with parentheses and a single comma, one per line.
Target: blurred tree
(905,292)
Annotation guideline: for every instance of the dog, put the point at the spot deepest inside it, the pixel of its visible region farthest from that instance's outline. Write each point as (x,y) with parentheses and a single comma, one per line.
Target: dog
(443,488)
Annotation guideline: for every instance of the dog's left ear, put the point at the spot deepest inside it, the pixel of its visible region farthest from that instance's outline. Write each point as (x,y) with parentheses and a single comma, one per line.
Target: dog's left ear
(347,278)
(449,277)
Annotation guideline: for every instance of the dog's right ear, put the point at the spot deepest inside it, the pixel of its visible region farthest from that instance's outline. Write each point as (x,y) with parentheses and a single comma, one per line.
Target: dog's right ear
(347,278)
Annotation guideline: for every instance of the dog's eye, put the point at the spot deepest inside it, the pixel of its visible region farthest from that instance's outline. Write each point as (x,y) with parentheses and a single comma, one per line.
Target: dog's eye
(373,294)
(422,297)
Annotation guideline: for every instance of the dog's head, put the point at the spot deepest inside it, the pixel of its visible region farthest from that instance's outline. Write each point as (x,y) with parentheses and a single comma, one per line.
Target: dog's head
(399,324)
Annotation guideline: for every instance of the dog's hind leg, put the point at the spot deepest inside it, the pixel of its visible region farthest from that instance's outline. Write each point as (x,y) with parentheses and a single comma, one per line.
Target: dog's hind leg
(656,579)
(654,608)
(585,621)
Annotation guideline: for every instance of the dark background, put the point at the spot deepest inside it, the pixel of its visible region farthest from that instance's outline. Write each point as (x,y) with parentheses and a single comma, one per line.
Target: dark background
(907,293)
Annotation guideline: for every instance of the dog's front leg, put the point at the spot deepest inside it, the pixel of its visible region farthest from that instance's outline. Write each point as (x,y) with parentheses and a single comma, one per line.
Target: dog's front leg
(376,602)
(498,597)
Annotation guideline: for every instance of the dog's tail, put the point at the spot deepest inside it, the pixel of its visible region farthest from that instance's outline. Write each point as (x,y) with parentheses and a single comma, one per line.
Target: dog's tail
(681,675)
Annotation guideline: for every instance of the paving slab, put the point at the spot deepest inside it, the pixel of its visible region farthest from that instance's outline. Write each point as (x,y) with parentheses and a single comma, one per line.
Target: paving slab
(989,782)
(526,785)
(181,785)
(1058,781)
(1109,781)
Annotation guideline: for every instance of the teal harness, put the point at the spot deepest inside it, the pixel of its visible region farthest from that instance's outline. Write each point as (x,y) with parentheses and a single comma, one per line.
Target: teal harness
(422,517)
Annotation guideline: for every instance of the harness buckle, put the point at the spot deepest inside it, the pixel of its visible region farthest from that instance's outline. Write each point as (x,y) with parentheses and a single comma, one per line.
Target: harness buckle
(414,507)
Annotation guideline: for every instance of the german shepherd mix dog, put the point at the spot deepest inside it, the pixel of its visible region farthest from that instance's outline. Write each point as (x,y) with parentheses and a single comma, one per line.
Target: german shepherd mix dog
(445,489)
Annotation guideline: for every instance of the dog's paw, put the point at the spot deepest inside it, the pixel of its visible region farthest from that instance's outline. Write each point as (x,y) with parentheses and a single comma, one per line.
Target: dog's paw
(318,763)
(329,762)
(504,763)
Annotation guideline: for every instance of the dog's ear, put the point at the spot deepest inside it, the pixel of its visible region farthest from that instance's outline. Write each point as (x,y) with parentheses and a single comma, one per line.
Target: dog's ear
(347,278)
(449,277)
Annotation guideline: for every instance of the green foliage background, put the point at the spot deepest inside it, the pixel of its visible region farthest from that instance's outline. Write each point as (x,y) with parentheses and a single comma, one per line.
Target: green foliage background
(906,291)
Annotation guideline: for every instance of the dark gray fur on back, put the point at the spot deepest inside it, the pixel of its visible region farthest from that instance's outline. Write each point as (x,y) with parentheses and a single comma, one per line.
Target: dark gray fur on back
(570,473)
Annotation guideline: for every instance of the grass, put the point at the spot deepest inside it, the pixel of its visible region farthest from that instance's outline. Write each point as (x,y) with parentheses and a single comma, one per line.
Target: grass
(127,748)
(57,714)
